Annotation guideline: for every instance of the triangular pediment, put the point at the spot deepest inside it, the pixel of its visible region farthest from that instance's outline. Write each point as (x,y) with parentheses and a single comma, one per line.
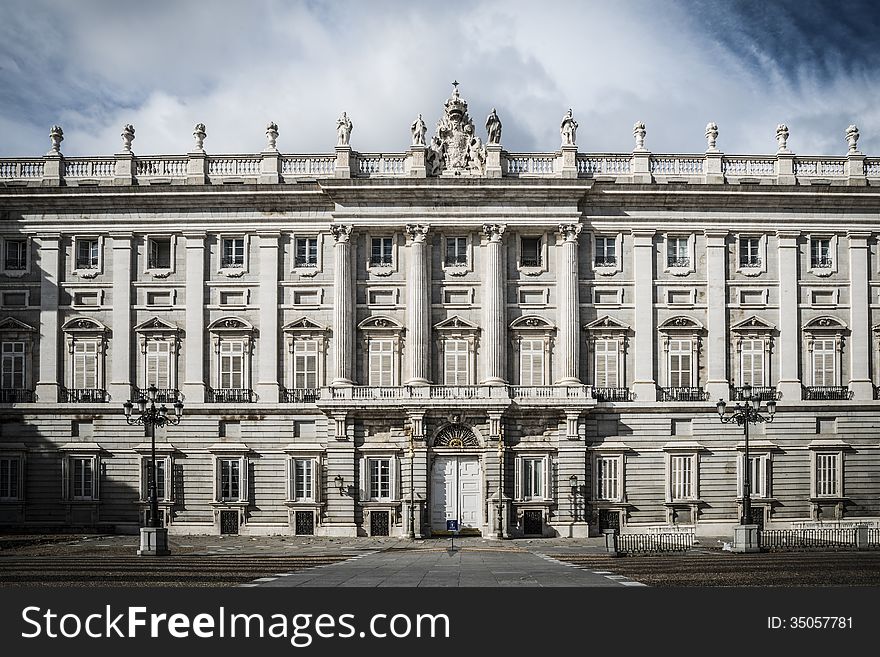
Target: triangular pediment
(83,324)
(156,325)
(456,323)
(532,322)
(12,324)
(681,323)
(825,323)
(230,324)
(606,323)
(380,323)
(303,324)
(753,323)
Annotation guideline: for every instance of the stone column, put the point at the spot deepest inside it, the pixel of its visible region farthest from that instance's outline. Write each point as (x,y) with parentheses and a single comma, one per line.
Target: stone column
(267,367)
(47,383)
(194,341)
(568,344)
(418,308)
(494,307)
(644,386)
(789,342)
(120,367)
(860,320)
(717,384)
(343,307)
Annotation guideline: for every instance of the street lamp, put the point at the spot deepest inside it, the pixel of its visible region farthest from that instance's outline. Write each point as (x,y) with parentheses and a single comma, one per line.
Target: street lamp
(412,485)
(501,482)
(154,537)
(745,414)
(573,482)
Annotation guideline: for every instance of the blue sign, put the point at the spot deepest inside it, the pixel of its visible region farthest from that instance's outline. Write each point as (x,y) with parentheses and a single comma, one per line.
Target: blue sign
(452,525)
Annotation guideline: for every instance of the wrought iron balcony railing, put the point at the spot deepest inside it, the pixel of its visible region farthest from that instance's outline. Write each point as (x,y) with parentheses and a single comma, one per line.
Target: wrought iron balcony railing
(16,396)
(457,259)
(750,261)
(607,261)
(612,394)
(86,264)
(764,393)
(163,395)
(821,263)
(678,262)
(686,393)
(15,264)
(305,263)
(381,261)
(300,395)
(83,395)
(530,262)
(231,263)
(229,396)
(824,393)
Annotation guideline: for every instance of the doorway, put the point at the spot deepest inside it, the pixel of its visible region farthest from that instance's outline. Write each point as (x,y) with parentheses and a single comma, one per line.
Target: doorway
(456,492)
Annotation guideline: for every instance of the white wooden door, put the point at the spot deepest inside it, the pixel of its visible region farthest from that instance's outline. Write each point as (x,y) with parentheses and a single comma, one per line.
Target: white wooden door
(456,492)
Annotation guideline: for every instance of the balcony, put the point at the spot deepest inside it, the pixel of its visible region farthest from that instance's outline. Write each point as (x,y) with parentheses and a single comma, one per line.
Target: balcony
(15,264)
(231,263)
(683,394)
(551,392)
(300,395)
(163,395)
(826,393)
(607,261)
(750,261)
(821,263)
(456,260)
(612,394)
(678,262)
(305,263)
(87,263)
(16,396)
(83,395)
(530,261)
(229,396)
(765,393)
(381,261)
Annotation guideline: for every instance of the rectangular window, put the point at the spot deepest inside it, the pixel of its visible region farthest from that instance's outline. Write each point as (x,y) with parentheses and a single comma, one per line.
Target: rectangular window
(158,364)
(306,252)
(161,480)
(531,363)
(232,298)
(530,252)
(606,375)
(230,480)
(10,469)
(824,355)
(455,366)
(456,251)
(159,298)
(12,366)
(16,255)
(760,465)
(86,299)
(87,253)
(381,252)
(381,362)
(533,478)
(749,255)
(302,480)
(85,365)
(305,364)
(827,484)
(752,363)
(682,477)
(820,253)
(677,252)
(680,363)
(305,298)
(233,253)
(83,478)
(15,299)
(606,252)
(232,364)
(608,478)
(380,479)
(160,253)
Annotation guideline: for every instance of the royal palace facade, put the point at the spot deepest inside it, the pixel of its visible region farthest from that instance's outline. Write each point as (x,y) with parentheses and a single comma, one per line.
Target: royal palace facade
(371,344)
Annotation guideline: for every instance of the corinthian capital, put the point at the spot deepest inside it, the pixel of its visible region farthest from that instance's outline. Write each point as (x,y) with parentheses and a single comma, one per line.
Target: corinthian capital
(493,231)
(340,232)
(417,232)
(570,232)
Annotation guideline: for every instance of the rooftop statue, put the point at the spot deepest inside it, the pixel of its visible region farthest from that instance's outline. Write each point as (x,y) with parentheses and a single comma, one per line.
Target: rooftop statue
(344,126)
(459,149)
(419,130)
(568,129)
(493,128)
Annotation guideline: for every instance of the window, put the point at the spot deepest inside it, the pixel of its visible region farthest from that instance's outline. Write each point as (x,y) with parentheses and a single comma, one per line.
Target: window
(233,253)
(820,253)
(232,364)
(10,475)
(606,370)
(232,298)
(159,298)
(381,363)
(85,365)
(12,374)
(680,363)
(533,478)
(531,362)
(530,252)
(14,299)
(305,298)
(86,253)
(608,478)
(15,255)
(86,299)
(752,362)
(828,474)
(381,252)
(158,364)
(230,480)
(749,252)
(159,253)
(455,368)
(163,481)
(824,359)
(606,252)
(379,471)
(303,480)
(759,475)
(306,252)
(305,364)
(83,478)
(456,251)
(682,470)
(677,252)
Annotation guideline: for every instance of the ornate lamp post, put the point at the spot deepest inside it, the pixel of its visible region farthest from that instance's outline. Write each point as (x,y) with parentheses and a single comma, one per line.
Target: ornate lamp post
(573,482)
(154,537)
(745,414)
(501,482)
(412,485)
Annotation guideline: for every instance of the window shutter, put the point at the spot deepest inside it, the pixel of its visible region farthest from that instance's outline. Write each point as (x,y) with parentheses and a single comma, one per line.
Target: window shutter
(517,478)
(364,481)
(545,465)
(291,478)
(218,473)
(395,478)
(65,478)
(96,477)
(317,480)
(243,479)
(740,458)
(767,479)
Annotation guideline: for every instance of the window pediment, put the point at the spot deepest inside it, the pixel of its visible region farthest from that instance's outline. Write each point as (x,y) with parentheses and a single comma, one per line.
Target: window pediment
(681,323)
(753,324)
(83,325)
(826,323)
(456,323)
(231,325)
(532,323)
(156,325)
(607,324)
(10,324)
(304,325)
(380,323)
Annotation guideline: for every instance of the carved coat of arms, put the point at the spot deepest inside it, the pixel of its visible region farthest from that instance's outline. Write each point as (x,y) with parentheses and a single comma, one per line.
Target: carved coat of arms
(456,148)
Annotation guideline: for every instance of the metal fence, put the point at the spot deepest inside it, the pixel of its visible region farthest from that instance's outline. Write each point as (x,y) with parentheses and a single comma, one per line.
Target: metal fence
(669,542)
(832,538)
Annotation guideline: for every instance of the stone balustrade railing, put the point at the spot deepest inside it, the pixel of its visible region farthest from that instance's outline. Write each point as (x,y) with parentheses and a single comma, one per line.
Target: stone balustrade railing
(270,166)
(460,392)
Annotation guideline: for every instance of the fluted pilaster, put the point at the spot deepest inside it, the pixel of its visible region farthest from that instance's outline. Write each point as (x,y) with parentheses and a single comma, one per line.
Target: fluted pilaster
(343,307)
(494,311)
(418,310)
(568,344)
(789,315)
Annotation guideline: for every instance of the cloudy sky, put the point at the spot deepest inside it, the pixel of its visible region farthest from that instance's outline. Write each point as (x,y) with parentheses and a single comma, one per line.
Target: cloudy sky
(92,66)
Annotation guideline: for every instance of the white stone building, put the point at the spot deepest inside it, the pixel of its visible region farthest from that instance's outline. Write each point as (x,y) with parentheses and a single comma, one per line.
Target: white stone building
(532,343)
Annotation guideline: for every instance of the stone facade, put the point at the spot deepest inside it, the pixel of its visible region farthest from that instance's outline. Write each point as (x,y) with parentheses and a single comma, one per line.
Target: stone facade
(530,343)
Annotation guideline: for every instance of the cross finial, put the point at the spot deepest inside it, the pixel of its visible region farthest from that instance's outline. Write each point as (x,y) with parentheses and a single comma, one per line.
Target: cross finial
(455,84)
